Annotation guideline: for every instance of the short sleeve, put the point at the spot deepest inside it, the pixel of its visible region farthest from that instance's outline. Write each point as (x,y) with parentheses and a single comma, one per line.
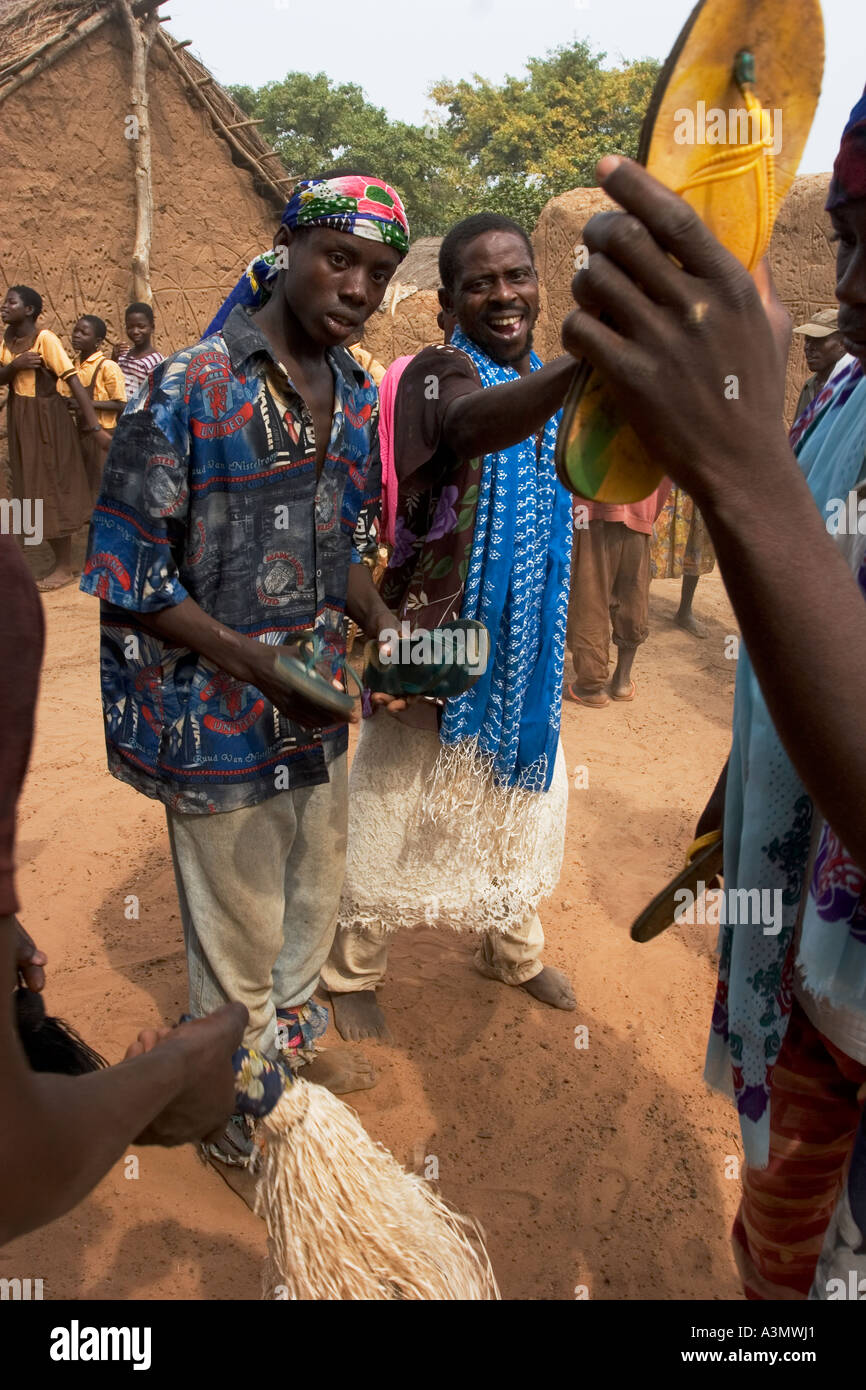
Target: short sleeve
(53,354)
(437,377)
(112,381)
(138,527)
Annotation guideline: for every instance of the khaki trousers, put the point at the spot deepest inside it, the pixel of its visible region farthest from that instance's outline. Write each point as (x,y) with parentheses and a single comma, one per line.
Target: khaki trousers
(259,891)
(359,958)
(610,579)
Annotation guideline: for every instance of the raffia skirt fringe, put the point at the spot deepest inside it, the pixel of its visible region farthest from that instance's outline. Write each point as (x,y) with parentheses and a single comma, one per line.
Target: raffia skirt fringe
(433,842)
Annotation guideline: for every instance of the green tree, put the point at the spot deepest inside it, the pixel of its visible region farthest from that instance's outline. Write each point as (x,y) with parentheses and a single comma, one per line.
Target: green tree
(315,124)
(530,138)
(504,148)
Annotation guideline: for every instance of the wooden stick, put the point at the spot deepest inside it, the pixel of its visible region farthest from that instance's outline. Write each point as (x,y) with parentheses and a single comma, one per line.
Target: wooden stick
(47,53)
(141,39)
(236,125)
(251,159)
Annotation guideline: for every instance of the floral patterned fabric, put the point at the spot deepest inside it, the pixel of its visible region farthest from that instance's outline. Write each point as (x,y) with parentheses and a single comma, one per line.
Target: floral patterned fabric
(438,495)
(769,830)
(681,544)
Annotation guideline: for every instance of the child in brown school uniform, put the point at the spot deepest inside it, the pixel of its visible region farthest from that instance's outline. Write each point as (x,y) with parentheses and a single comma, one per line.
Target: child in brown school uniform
(44,454)
(103,381)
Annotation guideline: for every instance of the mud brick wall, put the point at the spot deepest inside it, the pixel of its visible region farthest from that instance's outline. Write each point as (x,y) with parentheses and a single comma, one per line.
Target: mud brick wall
(801,257)
(69,203)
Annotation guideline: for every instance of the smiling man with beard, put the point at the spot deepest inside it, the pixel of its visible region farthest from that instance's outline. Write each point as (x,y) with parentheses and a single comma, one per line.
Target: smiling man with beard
(226,529)
(457,810)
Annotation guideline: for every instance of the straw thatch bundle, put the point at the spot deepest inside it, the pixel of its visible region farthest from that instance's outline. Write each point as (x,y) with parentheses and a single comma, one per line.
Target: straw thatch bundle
(345,1221)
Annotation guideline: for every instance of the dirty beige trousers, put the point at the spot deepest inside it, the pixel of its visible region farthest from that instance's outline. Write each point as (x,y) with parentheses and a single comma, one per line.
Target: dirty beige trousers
(259,891)
(359,958)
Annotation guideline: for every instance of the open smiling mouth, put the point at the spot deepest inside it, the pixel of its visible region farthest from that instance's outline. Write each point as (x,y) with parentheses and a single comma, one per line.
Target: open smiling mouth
(506,325)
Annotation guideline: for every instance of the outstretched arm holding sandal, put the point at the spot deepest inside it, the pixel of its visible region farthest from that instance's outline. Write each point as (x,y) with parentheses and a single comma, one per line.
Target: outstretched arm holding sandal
(674,334)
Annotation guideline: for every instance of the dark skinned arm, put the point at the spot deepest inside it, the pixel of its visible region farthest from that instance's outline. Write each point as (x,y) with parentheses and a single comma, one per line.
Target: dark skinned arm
(483,421)
(61,1134)
(24,362)
(365,607)
(364,602)
(675,334)
(85,404)
(187,625)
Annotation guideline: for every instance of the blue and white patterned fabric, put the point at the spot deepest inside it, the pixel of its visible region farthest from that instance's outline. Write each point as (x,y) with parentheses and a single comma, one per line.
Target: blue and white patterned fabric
(517,585)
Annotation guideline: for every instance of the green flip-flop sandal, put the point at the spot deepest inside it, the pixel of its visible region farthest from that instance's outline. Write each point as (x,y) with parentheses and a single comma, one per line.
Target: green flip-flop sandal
(437,663)
(301,676)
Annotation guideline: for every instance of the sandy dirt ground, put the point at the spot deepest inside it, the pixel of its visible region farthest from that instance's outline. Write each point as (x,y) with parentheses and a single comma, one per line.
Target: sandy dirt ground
(600,1170)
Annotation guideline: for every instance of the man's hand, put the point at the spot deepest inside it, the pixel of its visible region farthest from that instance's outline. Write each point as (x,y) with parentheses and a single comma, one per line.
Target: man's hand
(261,674)
(207,1095)
(687,348)
(394,704)
(29,960)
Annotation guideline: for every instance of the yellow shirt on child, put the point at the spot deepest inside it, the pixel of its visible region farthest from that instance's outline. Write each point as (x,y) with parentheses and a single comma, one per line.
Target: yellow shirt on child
(108,385)
(53,354)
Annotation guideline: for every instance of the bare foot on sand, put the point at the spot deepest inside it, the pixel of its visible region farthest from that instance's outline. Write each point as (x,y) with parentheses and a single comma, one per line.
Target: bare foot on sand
(551,987)
(340,1070)
(57,579)
(689,623)
(358,1016)
(622,692)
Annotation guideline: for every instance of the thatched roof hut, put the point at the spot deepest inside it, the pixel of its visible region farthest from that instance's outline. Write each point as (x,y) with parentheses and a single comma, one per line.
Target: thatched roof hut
(128,171)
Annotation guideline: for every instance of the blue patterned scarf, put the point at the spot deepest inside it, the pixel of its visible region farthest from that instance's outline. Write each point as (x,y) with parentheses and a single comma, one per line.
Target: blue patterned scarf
(517,585)
(769,831)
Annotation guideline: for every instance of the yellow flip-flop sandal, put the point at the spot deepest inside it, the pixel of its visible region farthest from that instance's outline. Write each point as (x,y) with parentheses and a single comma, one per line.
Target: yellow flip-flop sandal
(725,128)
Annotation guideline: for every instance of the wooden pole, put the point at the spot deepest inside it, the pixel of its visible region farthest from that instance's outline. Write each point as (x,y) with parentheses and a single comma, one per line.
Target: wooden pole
(141,37)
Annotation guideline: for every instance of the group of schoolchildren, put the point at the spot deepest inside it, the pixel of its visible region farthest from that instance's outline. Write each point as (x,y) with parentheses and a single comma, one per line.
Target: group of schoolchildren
(62,410)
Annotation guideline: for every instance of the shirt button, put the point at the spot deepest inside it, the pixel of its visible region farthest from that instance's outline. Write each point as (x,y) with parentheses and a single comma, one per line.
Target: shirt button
(318,574)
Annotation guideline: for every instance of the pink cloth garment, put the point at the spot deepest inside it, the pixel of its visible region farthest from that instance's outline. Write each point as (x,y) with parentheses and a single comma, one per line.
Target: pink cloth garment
(387,398)
(637,516)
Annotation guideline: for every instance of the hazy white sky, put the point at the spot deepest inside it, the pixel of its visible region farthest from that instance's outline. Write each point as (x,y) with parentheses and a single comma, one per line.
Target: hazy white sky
(395,49)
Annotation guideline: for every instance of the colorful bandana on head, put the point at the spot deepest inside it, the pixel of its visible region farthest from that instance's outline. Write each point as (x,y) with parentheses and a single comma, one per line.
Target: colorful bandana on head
(363,207)
(849,171)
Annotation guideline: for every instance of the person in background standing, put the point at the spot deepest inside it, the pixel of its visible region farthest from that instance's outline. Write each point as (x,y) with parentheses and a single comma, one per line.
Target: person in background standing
(825,354)
(140,357)
(610,579)
(102,379)
(44,454)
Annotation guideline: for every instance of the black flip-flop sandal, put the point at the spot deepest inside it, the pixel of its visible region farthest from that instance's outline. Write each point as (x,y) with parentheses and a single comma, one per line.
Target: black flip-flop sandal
(703,863)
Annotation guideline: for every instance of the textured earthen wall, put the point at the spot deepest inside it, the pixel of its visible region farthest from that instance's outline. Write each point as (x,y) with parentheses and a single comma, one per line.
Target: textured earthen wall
(410,328)
(556,235)
(803,262)
(801,257)
(69,206)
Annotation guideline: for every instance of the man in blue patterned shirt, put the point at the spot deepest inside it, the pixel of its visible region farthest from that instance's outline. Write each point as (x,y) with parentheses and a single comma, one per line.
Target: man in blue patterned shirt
(224,530)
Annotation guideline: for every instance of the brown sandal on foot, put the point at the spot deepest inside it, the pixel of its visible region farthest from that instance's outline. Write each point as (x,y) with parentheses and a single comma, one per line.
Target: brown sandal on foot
(571,694)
